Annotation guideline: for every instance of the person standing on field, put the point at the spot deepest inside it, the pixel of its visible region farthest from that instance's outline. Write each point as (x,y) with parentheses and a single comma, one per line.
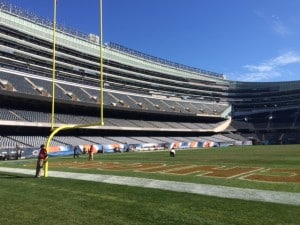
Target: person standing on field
(42,157)
(172,153)
(76,153)
(91,153)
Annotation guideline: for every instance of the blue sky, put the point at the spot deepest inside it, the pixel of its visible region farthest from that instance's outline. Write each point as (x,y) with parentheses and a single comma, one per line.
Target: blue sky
(247,40)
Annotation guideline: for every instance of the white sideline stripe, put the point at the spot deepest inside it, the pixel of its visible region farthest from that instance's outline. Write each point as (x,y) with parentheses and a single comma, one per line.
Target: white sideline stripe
(288,198)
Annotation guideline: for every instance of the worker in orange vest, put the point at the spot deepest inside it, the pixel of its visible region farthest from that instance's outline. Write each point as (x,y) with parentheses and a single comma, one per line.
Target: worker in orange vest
(91,152)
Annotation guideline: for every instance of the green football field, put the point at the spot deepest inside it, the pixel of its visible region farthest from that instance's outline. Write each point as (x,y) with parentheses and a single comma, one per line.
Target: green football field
(27,200)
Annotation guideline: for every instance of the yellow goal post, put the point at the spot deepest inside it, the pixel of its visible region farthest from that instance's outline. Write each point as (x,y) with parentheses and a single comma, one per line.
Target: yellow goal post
(54,130)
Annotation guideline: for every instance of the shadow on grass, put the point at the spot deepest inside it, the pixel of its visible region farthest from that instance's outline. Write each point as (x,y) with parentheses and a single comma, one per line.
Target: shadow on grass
(13,176)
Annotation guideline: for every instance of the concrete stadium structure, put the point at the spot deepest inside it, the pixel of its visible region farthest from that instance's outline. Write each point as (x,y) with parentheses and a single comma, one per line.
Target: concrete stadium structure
(146,99)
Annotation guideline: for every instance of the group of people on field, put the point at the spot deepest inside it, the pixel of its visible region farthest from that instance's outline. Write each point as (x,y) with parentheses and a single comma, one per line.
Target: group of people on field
(43,156)
(90,151)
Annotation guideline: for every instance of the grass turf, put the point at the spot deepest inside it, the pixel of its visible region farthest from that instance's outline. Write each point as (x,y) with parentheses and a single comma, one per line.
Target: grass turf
(284,156)
(60,201)
(26,200)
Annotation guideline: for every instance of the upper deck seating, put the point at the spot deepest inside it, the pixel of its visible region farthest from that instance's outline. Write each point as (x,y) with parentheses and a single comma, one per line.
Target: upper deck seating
(76,93)
(72,92)
(18,82)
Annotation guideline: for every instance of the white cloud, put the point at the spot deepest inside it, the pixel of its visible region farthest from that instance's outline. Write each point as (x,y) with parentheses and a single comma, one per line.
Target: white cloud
(259,68)
(258,76)
(276,24)
(279,27)
(271,69)
(285,59)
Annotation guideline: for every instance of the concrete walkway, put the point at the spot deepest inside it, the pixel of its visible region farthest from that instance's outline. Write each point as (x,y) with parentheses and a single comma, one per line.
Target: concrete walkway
(202,189)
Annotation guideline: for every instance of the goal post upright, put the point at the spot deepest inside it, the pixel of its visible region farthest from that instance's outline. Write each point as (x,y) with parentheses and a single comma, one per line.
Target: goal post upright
(101,65)
(66,127)
(53,66)
(53,85)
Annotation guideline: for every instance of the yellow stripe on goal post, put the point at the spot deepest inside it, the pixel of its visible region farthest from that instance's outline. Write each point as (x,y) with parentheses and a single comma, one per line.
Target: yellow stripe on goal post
(67,127)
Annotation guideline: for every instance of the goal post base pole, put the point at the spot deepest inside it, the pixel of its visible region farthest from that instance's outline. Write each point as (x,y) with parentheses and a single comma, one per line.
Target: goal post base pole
(58,129)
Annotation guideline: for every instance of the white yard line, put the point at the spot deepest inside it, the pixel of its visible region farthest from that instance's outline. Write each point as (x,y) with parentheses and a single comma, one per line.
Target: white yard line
(202,189)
